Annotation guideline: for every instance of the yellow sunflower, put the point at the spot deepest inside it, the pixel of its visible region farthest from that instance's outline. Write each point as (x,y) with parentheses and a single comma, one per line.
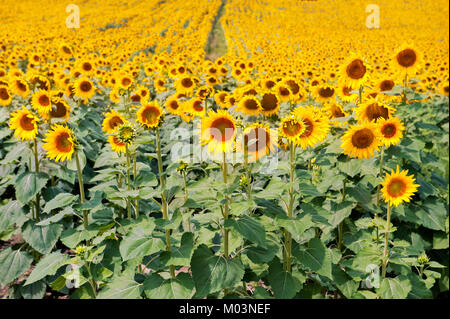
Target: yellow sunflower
(60,109)
(407,59)
(195,107)
(291,128)
(284,91)
(270,103)
(173,105)
(41,102)
(218,130)
(159,85)
(83,88)
(149,115)
(373,109)
(361,140)
(324,93)
(343,91)
(249,105)
(19,87)
(5,96)
(185,85)
(221,99)
(354,72)
(335,111)
(391,130)
(259,140)
(398,187)
(24,124)
(316,126)
(59,143)
(116,145)
(112,121)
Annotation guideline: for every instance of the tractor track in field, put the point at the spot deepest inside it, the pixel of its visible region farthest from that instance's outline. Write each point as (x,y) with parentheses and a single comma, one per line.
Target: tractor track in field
(216,44)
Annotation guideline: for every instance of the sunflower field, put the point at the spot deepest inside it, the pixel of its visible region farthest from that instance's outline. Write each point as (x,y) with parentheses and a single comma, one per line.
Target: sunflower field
(256,149)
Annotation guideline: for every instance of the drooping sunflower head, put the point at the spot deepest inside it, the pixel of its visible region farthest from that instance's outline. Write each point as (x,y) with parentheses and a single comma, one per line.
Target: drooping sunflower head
(38,81)
(258,141)
(59,143)
(5,96)
(221,99)
(336,111)
(249,105)
(19,87)
(218,130)
(65,50)
(60,109)
(294,87)
(150,114)
(112,121)
(354,72)
(361,140)
(391,130)
(116,145)
(316,126)
(398,187)
(373,109)
(24,124)
(204,92)
(41,102)
(270,103)
(83,88)
(343,92)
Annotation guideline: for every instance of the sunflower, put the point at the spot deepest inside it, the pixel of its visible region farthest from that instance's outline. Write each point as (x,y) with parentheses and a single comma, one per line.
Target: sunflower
(230,101)
(38,81)
(283,91)
(114,95)
(59,143)
(407,59)
(324,93)
(5,96)
(86,67)
(443,88)
(391,130)
(373,109)
(361,140)
(185,85)
(218,130)
(385,85)
(149,115)
(204,91)
(249,105)
(83,88)
(354,72)
(221,99)
(124,81)
(291,128)
(116,145)
(60,109)
(19,87)
(173,105)
(398,187)
(159,85)
(316,126)
(24,124)
(294,86)
(41,102)
(268,84)
(259,140)
(112,120)
(65,50)
(335,111)
(195,107)
(270,103)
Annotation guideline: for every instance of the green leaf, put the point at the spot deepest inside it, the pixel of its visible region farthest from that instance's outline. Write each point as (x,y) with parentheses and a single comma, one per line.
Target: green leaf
(138,243)
(315,257)
(61,200)
(350,167)
(13,263)
(346,285)
(41,238)
(28,184)
(34,291)
(249,228)
(213,273)
(72,164)
(48,265)
(296,226)
(433,214)
(72,237)
(156,287)
(121,288)
(339,212)
(283,284)
(10,215)
(394,288)
(68,211)
(180,256)
(358,266)
(418,288)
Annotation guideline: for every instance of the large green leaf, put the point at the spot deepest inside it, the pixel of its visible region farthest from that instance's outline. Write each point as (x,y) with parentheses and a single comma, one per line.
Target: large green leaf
(41,238)
(48,265)
(156,287)
(34,291)
(121,288)
(283,284)
(213,273)
(13,263)
(60,200)
(249,228)
(139,243)
(28,184)
(315,257)
(11,214)
(180,255)
(394,288)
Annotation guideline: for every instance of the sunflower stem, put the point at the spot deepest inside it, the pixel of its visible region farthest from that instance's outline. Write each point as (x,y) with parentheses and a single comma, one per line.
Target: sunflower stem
(186,198)
(119,183)
(248,178)
(360,94)
(226,212)
(80,183)
(128,180)
(386,240)
(136,203)
(164,204)
(288,236)
(341,224)
(36,164)
(404,88)
(379,186)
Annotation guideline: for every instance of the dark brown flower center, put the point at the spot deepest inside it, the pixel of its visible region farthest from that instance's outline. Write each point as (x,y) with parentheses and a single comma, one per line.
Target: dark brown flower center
(27,123)
(386,85)
(406,58)
(62,142)
(251,104)
(222,129)
(326,92)
(374,111)
(4,95)
(59,110)
(356,69)
(269,102)
(295,88)
(85,86)
(363,138)
(388,130)
(187,83)
(115,121)
(44,100)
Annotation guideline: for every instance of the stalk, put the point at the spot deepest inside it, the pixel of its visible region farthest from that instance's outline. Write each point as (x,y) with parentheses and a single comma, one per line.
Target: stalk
(248,177)
(386,239)
(288,236)
(164,204)
(360,94)
(186,197)
(119,183)
(128,180)
(341,224)
(226,207)
(80,183)
(379,185)
(136,203)
(36,163)
(404,88)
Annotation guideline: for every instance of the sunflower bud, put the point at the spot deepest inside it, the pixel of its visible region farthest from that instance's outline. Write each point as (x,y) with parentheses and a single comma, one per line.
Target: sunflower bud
(423,259)
(126,133)
(182,167)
